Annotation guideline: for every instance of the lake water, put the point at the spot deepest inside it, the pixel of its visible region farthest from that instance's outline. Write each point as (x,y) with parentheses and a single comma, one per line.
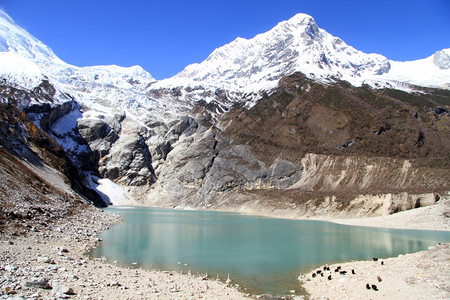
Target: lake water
(262,255)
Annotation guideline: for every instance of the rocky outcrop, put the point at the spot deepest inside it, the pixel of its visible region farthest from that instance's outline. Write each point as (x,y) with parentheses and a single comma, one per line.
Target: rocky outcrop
(100,134)
(48,115)
(232,178)
(23,139)
(309,145)
(359,174)
(129,162)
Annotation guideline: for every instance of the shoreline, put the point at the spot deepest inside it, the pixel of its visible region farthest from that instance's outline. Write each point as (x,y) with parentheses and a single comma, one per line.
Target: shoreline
(54,264)
(434,217)
(58,256)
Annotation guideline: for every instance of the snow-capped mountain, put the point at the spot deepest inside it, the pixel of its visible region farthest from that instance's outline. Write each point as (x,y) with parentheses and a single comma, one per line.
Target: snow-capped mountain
(120,126)
(86,109)
(299,45)
(26,62)
(293,45)
(240,70)
(17,40)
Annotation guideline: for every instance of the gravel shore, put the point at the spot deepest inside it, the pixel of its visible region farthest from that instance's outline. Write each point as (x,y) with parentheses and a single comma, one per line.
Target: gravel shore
(53,264)
(422,275)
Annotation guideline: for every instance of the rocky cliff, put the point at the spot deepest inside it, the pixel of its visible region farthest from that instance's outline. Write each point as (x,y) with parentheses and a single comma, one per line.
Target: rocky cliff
(309,145)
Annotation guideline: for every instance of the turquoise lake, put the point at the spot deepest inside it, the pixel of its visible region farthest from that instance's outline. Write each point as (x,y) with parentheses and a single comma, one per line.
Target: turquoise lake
(262,255)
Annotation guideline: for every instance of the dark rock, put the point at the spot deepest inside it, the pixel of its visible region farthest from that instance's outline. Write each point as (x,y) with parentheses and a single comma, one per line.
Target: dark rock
(382,129)
(38,282)
(441,110)
(53,114)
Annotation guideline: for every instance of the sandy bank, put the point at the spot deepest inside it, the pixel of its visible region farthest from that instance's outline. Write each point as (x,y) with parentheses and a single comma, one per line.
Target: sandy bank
(434,217)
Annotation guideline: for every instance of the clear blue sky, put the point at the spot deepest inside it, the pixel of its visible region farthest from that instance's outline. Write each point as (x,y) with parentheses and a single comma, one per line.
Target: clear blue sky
(165,36)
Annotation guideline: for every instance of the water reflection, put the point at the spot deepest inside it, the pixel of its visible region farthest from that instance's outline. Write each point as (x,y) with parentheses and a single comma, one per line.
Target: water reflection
(265,255)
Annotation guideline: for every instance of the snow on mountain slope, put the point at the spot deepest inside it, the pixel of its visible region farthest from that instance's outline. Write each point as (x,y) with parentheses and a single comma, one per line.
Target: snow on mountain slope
(15,39)
(26,62)
(20,71)
(433,71)
(298,45)
(294,45)
(106,75)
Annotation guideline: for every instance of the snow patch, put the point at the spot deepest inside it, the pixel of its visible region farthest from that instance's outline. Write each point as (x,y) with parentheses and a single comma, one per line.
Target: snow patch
(67,123)
(113,193)
(19,70)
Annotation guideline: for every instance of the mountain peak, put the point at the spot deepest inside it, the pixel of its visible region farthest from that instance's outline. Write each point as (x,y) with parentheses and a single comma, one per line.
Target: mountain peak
(295,45)
(15,39)
(300,24)
(300,19)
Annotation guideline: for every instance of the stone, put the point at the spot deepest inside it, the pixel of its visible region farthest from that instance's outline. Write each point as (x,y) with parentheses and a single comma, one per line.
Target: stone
(53,268)
(59,289)
(63,249)
(38,282)
(10,268)
(113,283)
(44,259)
(72,277)
(8,290)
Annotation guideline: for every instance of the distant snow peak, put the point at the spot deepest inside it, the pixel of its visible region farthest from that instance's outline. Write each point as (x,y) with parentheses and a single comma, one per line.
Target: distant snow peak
(296,45)
(242,70)
(26,62)
(4,17)
(442,59)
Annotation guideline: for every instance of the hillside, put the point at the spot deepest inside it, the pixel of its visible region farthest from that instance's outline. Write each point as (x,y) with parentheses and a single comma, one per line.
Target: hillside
(310,144)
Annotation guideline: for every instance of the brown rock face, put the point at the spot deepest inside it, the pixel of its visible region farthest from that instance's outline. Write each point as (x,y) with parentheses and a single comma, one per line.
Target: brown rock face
(311,146)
